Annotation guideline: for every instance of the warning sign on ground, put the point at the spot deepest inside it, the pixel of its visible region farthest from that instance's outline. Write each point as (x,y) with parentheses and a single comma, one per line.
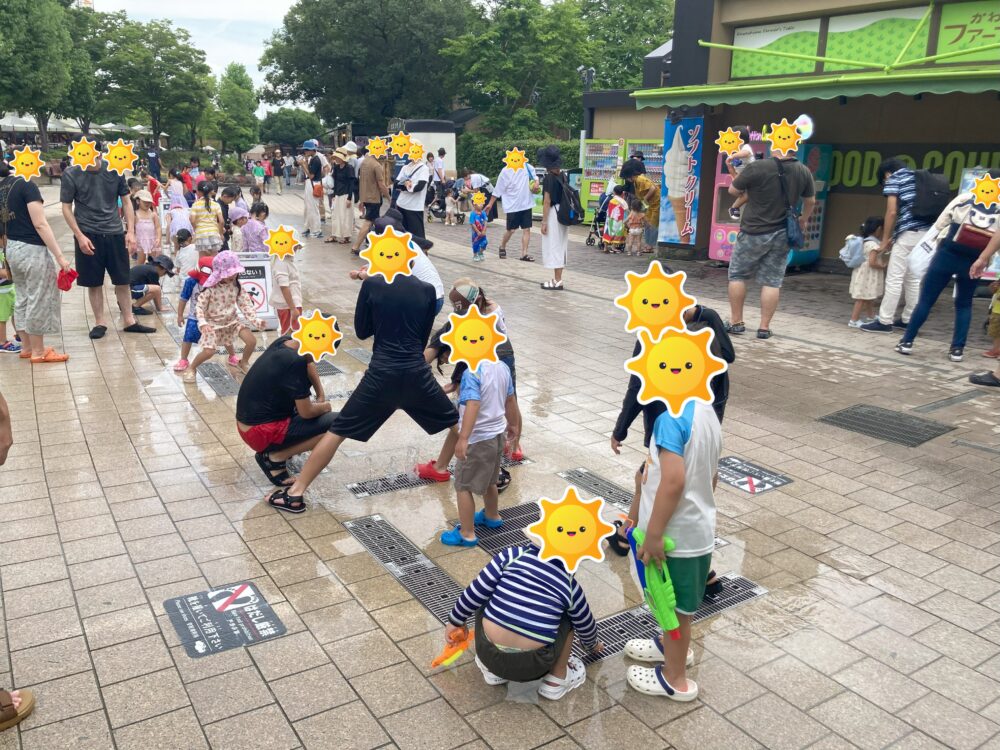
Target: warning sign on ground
(749,477)
(212,621)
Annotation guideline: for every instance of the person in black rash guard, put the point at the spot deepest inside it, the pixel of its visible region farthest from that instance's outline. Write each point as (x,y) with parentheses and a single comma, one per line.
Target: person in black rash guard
(722,346)
(400,316)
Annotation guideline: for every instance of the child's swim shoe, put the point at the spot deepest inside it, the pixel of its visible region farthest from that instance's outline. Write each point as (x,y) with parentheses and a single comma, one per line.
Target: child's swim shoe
(489,523)
(554,688)
(651,650)
(181,365)
(488,677)
(430,471)
(652,682)
(454,538)
(234,361)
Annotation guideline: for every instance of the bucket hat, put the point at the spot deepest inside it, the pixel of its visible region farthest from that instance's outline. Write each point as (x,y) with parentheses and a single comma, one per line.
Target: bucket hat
(549,157)
(226,266)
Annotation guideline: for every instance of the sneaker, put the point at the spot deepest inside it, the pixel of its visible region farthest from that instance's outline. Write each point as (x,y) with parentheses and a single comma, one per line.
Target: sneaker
(957,354)
(141,311)
(855,323)
(553,688)
(905,347)
(736,329)
(985,378)
(898,323)
(318,236)
(489,523)
(734,213)
(11,347)
(304,234)
(430,471)
(488,677)
(876,326)
(182,365)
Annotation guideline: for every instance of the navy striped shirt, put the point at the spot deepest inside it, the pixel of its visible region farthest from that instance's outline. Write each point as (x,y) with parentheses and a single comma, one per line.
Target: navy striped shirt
(903,184)
(528,596)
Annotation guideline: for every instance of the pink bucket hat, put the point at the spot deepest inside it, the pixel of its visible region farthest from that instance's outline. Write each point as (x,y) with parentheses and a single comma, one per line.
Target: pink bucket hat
(226,266)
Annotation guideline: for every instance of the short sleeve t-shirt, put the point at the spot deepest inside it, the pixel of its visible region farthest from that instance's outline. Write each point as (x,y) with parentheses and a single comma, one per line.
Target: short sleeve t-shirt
(94,196)
(143,275)
(19,194)
(765,210)
(275,382)
(315,168)
(903,184)
(416,172)
(552,184)
(514,188)
(490,385)
(696,436)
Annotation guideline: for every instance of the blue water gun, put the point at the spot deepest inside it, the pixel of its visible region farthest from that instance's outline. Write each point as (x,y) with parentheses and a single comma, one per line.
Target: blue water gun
(657,588)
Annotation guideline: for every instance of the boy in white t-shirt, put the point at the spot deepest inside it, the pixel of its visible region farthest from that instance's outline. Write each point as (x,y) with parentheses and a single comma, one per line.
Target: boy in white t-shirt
(677,500)
(488,418)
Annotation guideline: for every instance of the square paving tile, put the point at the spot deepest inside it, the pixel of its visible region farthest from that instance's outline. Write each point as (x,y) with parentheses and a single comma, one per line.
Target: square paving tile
(880,684)
(117,627)
(50,661)
(312,692)
(705,728)
(63,698)
(949,722)
(87,732)
(144,697)
(391,689)
(288,655)
(866,724)
(172,731)
(35,630)
(431,726)
(776,724)
(513,726)
(131,659)
(350,727)
(265,727)
(899,652)
(228,695)
(365,652)
(799,684)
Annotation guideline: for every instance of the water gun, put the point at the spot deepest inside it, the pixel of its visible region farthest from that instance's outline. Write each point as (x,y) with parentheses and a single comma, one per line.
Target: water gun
(657,587)
(454,650)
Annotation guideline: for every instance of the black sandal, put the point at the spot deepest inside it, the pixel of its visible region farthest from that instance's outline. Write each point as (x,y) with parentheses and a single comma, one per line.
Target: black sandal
(713,588)
(289,504)
(618,544)
(267,466)
(503,253)
(503,480)
(763,333)
(528,258)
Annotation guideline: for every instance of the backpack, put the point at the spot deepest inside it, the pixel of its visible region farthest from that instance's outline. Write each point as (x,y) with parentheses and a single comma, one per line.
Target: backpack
(570,211)
(853,251)
(933,193)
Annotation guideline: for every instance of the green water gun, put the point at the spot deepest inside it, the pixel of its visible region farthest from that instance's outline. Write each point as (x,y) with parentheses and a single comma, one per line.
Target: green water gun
(657,587)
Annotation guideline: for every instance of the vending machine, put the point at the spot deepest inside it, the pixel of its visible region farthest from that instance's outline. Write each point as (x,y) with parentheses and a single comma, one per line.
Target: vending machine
(602,162)
(652,156)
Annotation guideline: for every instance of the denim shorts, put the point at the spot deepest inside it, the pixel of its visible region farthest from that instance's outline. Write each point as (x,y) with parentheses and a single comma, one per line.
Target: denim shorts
(765,255)
(192,334)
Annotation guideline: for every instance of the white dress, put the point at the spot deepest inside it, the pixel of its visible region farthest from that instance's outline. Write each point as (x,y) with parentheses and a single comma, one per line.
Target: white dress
(867,282)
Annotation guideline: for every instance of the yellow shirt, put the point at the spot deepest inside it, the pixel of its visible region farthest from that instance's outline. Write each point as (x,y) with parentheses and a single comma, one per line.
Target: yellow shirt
(204,219)
(642,186)
(995,304)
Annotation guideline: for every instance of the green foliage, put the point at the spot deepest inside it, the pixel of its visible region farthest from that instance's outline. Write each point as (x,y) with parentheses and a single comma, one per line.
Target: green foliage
(365,60)
(238,126)
(179,157)
(290,127)
(485,155)
(625,31)
(232,165)
(195,117)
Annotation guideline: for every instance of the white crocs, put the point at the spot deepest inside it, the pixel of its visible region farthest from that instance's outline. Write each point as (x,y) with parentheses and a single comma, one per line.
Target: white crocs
(652,682)
(649,649)
(554,688)
(488,677)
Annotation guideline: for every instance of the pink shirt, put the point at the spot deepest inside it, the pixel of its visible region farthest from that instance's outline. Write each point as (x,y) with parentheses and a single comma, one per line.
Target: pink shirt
(254,234)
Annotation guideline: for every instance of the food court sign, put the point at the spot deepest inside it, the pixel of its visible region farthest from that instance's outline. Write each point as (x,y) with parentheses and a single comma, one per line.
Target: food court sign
(855,170)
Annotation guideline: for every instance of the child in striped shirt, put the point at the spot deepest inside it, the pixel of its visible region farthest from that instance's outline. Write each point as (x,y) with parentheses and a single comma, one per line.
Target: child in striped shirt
(526,611)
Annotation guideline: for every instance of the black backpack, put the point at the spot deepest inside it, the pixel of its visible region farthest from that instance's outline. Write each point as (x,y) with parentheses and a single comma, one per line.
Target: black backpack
(570,210)
(932,196)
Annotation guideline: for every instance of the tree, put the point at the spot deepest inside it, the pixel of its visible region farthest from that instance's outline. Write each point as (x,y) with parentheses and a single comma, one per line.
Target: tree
(289,127)
(525,56)
(365,60)
(625,31)
(237,101)
(153,69)
(34,59)
(197,116)
(89,77)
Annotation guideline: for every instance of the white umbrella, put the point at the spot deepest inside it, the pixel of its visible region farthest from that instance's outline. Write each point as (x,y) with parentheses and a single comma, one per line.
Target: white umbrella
(207,148)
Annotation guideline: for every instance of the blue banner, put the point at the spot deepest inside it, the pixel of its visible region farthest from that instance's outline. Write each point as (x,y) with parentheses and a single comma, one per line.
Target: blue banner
(681,176)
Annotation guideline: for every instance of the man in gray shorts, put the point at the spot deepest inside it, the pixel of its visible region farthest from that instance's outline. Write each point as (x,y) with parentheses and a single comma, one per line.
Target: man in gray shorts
(761,248)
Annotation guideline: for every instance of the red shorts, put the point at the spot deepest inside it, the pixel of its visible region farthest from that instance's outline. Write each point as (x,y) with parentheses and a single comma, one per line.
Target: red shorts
(286,321)
(260,437)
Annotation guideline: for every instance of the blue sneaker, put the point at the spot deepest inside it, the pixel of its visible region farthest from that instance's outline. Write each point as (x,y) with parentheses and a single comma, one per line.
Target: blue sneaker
(11,347)
(489,523)
(454,538)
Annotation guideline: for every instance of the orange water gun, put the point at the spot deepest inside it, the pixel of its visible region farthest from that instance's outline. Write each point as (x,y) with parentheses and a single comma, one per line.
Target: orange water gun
(453,650)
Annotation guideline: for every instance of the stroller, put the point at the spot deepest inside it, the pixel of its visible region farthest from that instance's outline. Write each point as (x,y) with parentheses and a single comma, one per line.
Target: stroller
(437,208)
(595,236)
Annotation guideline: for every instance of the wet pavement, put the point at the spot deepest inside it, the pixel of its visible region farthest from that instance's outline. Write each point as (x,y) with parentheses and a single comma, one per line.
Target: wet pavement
(127,487)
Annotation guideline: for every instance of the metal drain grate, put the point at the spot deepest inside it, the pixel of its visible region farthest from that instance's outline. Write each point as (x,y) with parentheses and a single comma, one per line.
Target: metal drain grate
(429,585)
(886,424)
(505,461)
(222,350)
(511,534)
(749,477)
(388,483)
(598,486)
(339,394)
(325,367)
(218,379)
(362,355)
(615,631)
(174,331)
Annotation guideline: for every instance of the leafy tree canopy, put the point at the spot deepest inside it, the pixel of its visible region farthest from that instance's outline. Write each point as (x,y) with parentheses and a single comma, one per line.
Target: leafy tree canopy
(238,125)
(625,31)
(289,127)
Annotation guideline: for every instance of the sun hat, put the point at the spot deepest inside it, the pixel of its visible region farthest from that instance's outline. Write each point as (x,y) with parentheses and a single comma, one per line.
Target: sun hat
(203,270)
(226,266)
(467,288)
(236,213)
(340,154)
(163,262)
(310,145)
(144,195)
(351,147)
(549,156)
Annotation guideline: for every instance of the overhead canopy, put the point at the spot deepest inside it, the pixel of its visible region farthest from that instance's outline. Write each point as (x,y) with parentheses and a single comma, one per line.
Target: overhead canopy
(755,91)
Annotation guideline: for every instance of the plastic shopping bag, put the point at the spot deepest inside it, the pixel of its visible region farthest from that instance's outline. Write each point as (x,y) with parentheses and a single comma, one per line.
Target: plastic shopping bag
(920,256)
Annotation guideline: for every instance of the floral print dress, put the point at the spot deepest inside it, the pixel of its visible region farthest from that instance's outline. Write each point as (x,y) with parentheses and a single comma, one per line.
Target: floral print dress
(218,319)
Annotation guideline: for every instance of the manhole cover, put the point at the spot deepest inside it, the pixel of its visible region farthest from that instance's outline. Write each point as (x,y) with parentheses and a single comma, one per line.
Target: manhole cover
(885,424)
(218,379)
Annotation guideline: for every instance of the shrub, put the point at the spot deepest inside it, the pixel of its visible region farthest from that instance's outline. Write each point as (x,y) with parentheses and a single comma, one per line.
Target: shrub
(485,155)
(232,165)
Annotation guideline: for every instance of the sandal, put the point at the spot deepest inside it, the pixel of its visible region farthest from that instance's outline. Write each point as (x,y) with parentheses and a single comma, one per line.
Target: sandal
(267,466)
(651,650)
(528,258)
(10,716)
(97,332)
(553,688)
(289,503)
(713,587)
(736,329)
(234,360)
(182,365)
(652,682)
(552,285)
(503,482)
(330,240)
(618,543)
(503,253)
(763,333)
(50,355)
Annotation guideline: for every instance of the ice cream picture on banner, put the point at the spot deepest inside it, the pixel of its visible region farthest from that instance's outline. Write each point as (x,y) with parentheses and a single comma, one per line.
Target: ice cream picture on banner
(681,168)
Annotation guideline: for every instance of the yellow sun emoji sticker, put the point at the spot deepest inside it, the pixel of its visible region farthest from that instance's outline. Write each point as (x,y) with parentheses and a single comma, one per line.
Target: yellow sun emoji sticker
(318,334)
(281,242)
(729,141)
(416,150)
(479,198)
(120,156)
(515,159)
(784,138)
(389,254)
(987,191)
(399,144)
(570,529)
(473,338)
(27,163)
(377,147)
(83,153)
(676,368)
(654,300)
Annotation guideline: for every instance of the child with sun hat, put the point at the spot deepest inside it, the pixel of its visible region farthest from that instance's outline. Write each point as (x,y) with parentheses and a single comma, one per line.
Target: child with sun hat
(477,223)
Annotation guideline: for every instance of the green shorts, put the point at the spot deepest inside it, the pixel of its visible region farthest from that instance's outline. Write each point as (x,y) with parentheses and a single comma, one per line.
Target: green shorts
(7,300)
(689,575)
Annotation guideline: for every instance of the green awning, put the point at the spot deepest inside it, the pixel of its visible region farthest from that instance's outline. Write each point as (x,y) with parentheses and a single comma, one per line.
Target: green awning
(755,91)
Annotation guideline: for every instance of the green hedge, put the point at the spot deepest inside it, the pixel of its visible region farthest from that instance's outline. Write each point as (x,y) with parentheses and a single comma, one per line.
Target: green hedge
(485,155)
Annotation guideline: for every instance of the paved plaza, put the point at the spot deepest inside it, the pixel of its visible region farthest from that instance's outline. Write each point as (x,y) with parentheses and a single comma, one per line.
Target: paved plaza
(127,487)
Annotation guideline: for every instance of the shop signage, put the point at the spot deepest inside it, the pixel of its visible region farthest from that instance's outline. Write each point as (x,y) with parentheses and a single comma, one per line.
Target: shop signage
(855,169)
(679,190)
(967,26)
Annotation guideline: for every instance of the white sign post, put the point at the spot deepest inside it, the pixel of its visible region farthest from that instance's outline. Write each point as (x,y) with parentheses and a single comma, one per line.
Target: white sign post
(256,281)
